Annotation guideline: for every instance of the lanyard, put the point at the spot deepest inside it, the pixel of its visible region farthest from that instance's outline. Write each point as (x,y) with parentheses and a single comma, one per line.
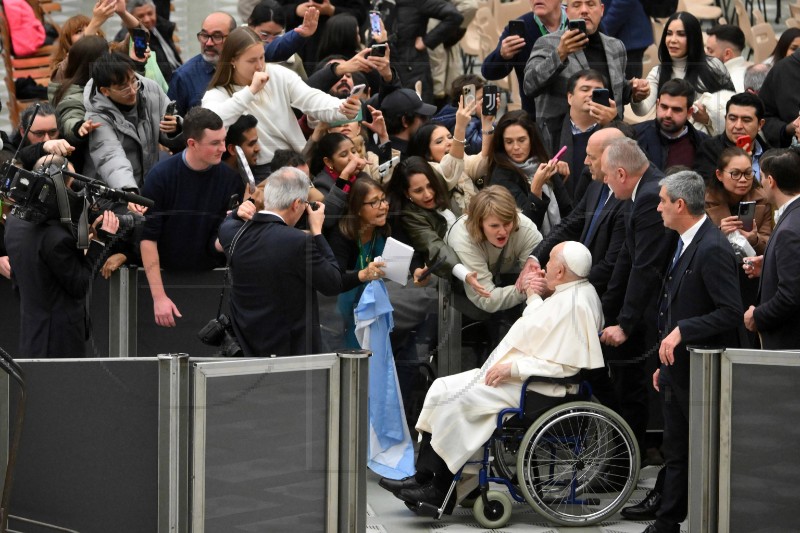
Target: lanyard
(365,260)
(562,25)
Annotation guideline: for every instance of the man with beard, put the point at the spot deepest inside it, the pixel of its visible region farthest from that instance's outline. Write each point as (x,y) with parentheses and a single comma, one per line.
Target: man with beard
(670,139)
(190,82)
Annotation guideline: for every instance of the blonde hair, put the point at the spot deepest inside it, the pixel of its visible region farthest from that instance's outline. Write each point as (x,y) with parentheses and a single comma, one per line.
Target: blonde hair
(494,200)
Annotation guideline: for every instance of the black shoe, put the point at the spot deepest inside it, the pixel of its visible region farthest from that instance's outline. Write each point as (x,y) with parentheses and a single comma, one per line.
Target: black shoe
(427,494)
(644,510)
(396,485)
(650,529)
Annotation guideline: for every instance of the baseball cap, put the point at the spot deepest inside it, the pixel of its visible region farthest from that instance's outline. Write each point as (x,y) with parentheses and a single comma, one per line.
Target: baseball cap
(405,102)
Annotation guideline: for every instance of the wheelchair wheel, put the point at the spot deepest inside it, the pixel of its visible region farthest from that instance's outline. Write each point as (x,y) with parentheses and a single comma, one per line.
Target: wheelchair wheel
(496,514)
(578,464)
(504,451)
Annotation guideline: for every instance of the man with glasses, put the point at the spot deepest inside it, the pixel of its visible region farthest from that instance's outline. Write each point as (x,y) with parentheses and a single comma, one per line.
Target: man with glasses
(130,111)
(190,82)
(744,117)
(161,31)
(43,137)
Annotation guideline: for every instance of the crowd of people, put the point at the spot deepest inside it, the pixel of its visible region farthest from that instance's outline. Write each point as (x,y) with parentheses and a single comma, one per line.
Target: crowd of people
(349,118)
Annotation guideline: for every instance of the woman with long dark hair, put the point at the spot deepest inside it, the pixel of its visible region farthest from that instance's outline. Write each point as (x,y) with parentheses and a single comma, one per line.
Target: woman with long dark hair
(682,55)
(788,42)
(519,162)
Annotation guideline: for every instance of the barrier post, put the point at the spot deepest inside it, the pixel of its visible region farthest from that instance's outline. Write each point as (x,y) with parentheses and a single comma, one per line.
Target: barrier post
(704,395)
(448,354)
(122,307)
(353,439)
(173,444)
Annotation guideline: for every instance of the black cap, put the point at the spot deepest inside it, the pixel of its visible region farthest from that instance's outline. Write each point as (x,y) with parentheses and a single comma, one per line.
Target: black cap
(405,102)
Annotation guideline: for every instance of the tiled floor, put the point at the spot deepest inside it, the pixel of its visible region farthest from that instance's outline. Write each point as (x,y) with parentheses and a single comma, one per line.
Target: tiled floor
(387,514)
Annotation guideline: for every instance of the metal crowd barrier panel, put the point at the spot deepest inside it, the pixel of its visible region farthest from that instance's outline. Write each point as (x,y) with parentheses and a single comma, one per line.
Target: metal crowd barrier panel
(176,444)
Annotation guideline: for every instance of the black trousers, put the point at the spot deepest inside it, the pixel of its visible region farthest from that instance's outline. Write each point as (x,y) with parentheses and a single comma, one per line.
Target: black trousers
(430,467)
(675,494)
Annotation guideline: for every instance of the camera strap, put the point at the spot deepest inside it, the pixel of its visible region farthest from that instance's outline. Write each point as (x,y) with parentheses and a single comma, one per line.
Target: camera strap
(64,212)
(227,279)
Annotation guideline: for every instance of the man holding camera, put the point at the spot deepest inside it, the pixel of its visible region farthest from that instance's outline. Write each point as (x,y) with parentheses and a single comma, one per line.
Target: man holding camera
(277,270)
(52,276)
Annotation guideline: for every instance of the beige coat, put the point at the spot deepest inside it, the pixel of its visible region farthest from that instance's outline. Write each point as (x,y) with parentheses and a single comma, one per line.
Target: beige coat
(556,338)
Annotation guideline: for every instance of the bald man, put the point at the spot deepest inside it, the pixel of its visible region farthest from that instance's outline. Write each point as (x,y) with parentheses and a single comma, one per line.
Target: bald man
(555,337)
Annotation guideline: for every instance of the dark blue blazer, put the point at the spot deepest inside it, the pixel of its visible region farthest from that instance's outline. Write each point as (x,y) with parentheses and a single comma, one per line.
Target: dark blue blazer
(606,241)
(276,271)
(778,313)
(630,299)
(700,295)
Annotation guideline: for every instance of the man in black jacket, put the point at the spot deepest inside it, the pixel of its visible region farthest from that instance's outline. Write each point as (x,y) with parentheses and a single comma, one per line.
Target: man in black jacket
(629,303)
(777,316)
(277,270)
(744,115)
(52,276)
(670,139)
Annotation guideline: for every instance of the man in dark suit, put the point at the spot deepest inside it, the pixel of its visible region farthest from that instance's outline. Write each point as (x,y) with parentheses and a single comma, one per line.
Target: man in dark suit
(699,303)
(629,302)
(777,316)
(52,277)
(277,270)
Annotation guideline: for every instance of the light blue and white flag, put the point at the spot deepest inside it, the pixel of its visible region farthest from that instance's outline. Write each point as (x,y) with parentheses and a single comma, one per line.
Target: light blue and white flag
(391,452)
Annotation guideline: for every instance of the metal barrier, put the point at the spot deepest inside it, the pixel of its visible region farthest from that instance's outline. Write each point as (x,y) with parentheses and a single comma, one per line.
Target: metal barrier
(178,445)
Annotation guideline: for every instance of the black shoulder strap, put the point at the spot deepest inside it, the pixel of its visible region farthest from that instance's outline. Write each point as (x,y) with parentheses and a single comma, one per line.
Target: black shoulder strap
(228,263)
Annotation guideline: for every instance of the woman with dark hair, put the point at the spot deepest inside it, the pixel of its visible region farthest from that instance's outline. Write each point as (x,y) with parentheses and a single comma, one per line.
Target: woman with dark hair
(356,241)
(519,162)
(244,83)
(788,42)
(67,97)
(335,165)
(425,211)
(682,55)
(269,22)
(340,36)
(735,182)
(445,152)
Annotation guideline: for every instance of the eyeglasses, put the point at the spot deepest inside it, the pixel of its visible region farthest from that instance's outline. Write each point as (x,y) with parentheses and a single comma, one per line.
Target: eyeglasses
(266,36)
(375,204)
(736,174)
(41,133)
(216,37)
(132,87)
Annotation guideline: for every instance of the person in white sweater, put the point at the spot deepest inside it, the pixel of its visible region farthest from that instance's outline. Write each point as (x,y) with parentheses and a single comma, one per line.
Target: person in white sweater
(243,83)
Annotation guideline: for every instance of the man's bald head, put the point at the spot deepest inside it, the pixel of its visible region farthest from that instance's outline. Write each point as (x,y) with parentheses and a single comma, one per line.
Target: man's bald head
(216,24)
(598,142)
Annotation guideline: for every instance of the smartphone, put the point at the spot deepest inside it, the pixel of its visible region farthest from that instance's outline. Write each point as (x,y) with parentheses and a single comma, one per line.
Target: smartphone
(577,24)
(516,27)
(469,94)
(600,97)
(745,142)
(489,107)
(378,50)
(747,211)
(428,271)
(375,22)
(358,89)
(171,108)
(141,39)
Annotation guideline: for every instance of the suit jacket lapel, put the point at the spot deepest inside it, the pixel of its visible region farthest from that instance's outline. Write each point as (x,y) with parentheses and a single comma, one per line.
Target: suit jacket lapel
(686,259)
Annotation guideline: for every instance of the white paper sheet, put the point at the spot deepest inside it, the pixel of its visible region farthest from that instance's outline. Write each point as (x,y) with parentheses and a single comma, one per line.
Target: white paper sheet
(397,257)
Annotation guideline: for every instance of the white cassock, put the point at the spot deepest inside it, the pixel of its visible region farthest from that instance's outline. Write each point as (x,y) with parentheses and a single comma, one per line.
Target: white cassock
(555,338)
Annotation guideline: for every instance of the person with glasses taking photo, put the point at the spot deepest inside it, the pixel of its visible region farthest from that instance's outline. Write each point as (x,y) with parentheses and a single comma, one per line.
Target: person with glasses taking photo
(43,137)
(190,82)
(131,112)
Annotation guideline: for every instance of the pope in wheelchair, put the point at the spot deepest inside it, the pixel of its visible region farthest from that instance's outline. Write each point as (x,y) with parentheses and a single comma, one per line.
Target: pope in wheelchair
(578,446)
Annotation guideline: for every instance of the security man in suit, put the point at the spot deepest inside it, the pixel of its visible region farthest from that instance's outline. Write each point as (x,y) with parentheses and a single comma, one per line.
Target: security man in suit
(777,316)
(699,303)
(629,302)
(277,270)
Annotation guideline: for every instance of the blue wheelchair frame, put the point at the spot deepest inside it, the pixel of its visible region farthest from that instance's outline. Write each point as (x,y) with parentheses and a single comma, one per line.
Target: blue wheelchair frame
(502,418)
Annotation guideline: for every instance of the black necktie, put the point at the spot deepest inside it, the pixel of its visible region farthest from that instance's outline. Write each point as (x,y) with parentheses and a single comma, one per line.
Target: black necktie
(677,255)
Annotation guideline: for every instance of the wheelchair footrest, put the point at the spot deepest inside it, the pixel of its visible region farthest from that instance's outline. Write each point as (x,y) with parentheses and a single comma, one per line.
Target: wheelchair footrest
(426,509)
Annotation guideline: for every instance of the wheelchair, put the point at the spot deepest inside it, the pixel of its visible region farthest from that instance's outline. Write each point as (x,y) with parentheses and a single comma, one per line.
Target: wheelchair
(576,464)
